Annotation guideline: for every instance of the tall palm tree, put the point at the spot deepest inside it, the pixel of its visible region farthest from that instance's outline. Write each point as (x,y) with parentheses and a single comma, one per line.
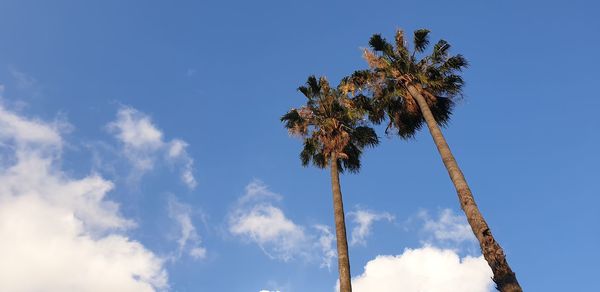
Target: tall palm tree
(409,89)
(334,136)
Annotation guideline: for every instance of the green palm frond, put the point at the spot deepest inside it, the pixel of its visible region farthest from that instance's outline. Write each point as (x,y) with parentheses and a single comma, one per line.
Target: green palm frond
(304,91)
(352,163)
(421,40)
(309,151)
(361,78)
(363,136)
(457,63)
(363,103)
(442,110)
(440,51)
(291,119)
(379,44)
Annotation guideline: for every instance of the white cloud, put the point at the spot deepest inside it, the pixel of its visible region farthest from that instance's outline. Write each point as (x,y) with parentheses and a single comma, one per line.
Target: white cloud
(430,268)
(24,132)
(144,144)
(257,219)
(448,227)
(325,242)
(426,269)
(59,233)
(136,130)
(189,240)
(267,224)
(177,148)
(364,219)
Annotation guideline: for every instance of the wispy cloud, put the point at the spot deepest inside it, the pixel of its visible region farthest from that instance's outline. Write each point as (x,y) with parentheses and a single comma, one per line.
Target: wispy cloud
(325,242)
(188,240)
(256,217)
(144,144)
(364,220)
(23,81)
(448,227)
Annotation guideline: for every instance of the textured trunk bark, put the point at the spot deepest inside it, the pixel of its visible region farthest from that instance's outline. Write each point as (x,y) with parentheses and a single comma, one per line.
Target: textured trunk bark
(504,277)
(340,228)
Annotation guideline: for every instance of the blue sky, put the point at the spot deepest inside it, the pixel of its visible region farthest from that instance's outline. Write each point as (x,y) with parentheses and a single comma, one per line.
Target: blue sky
(171,110)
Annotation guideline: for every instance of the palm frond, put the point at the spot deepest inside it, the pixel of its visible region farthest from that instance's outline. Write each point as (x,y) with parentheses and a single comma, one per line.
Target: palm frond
(407,123)
(291,118)
(363,103)
(379,44)
(313,84)
(352,162)
(457,63)
(360,78)
(309,150)
(421,40)
(364,136)
(452,85)
(442,110)
(305,91)
(440,51)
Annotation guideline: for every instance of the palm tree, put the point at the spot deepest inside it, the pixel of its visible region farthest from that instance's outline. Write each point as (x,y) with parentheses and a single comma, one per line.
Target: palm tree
(334,136)
(410,89)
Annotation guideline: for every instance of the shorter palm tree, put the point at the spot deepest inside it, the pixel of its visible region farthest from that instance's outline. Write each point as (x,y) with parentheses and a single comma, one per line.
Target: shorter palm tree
(334,136)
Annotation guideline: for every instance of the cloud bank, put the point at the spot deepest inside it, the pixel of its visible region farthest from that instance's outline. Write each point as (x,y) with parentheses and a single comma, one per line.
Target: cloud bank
(57,232)
(426,269)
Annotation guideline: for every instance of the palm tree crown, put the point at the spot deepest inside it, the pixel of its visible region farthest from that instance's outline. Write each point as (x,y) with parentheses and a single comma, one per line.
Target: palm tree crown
(331,125)
(393,68)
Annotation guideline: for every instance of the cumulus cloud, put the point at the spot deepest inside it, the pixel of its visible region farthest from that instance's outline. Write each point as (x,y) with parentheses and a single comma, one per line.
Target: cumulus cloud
(448,227)
(364,220)
(430,268)
(426,269)
(57,232)
(257,218)
(188,241)
(144,144)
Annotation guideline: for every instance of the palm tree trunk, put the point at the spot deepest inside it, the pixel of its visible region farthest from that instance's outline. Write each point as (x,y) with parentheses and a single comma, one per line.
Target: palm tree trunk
(504,277)
(340,228)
